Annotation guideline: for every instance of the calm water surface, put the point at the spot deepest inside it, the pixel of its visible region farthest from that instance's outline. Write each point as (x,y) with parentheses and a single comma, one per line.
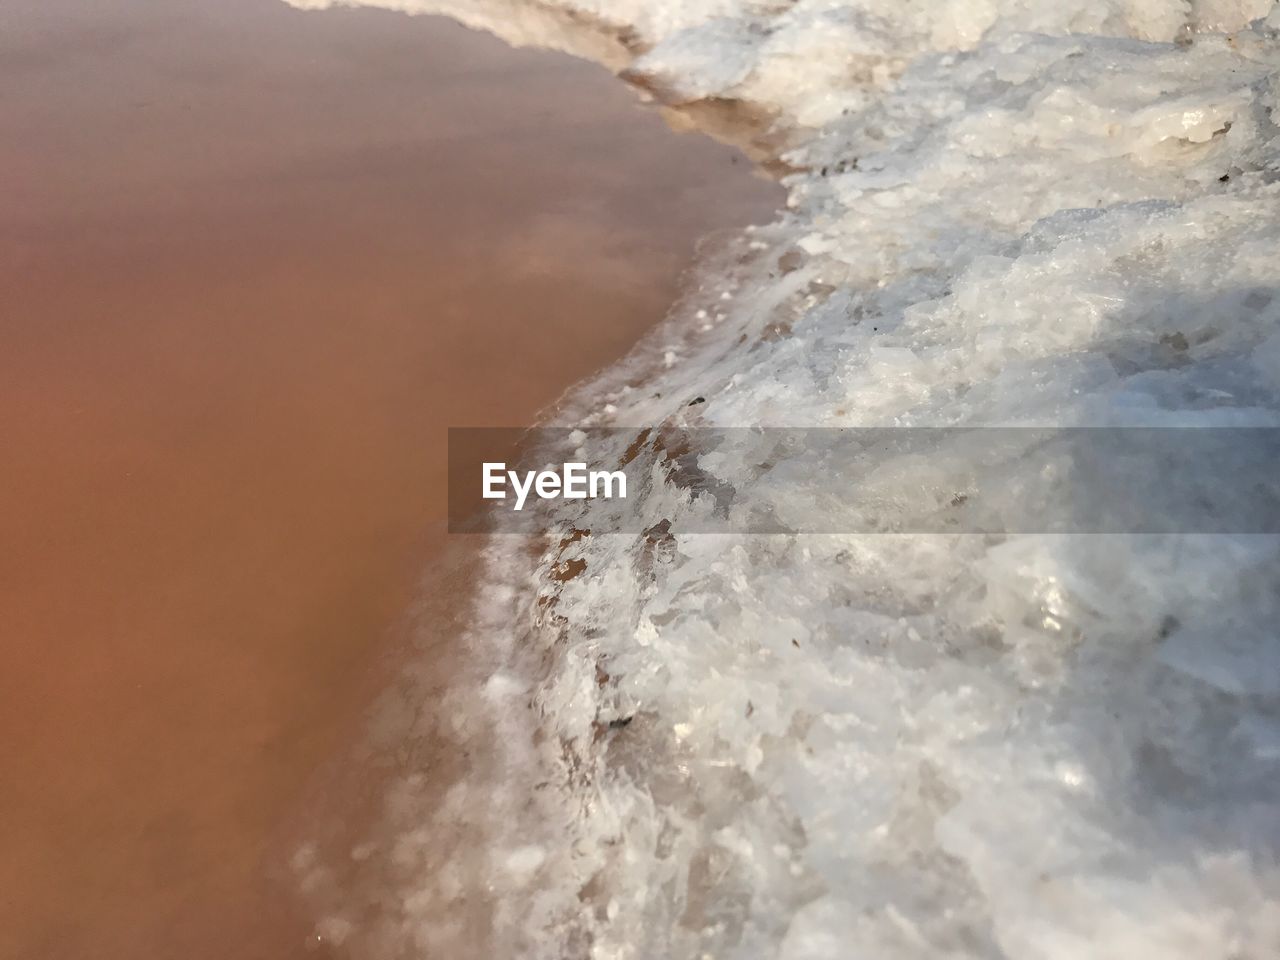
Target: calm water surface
(253,262)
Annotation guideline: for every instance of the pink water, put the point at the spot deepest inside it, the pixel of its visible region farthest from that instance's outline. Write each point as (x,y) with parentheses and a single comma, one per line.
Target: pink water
(253,262)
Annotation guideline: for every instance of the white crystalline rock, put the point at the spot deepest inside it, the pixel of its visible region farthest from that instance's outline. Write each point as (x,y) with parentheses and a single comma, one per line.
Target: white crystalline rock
(524,861)
(703,61)
(1034,747)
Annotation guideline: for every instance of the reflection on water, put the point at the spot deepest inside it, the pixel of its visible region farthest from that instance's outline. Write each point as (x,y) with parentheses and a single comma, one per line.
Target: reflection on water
(252,263)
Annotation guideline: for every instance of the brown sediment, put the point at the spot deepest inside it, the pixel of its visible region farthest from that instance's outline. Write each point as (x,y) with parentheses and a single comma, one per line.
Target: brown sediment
(253,262)
(752,128)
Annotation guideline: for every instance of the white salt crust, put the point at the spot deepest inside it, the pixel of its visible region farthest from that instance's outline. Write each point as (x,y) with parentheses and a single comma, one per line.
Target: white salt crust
(1050,212)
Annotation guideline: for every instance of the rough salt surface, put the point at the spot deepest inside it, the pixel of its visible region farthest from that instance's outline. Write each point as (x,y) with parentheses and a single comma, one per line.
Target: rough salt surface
(1034,747)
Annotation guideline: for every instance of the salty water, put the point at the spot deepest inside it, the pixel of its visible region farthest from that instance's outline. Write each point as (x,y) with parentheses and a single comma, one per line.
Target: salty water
(253,262)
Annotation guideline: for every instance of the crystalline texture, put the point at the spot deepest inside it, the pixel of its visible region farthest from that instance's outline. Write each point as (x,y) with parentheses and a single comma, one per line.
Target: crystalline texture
(1048,212)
